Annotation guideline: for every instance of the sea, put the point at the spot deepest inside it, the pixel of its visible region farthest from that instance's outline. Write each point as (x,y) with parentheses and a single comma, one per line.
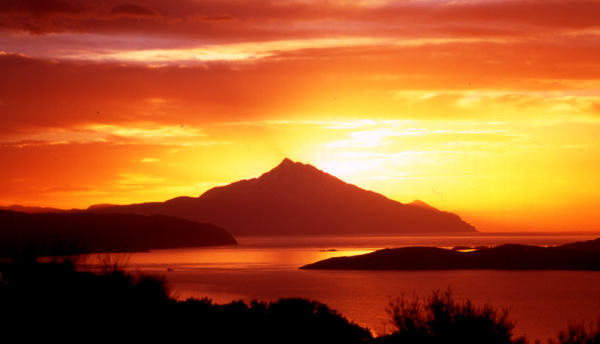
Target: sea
(540,303)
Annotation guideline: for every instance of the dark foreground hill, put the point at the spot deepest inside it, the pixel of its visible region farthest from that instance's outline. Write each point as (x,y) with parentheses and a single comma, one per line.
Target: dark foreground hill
(576,256)
(28,235)
(56,303)
(298,199)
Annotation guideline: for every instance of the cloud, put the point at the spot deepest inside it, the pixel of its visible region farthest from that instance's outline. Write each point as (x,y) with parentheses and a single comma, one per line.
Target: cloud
(23,144)
(266,20)
(68,189)
(595,107)
(132,11)
(210,18)
(151,134)
(129,180)
(46,8)
(38,94)
(57,16)
(40,16)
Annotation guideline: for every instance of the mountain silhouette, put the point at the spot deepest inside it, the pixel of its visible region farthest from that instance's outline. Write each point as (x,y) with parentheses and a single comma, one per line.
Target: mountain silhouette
(35,210)
(297,199)
(29,235)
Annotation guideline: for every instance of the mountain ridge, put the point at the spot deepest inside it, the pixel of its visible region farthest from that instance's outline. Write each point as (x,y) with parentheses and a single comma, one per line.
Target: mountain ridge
(39,234)
(296,199)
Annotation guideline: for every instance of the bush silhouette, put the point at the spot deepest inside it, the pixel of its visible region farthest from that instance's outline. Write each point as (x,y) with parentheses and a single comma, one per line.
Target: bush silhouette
(62,303)
(287,320)
(577,334)
(442,320)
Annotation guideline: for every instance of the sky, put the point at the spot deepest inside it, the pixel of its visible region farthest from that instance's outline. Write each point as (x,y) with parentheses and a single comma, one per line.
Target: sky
(490,109)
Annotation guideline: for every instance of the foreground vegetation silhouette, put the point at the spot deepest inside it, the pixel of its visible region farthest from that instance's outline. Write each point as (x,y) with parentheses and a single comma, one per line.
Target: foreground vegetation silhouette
(55,301)
(441,319)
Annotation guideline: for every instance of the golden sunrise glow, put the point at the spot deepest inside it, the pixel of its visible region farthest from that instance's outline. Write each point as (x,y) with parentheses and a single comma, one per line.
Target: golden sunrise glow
(229,52)
(490,109)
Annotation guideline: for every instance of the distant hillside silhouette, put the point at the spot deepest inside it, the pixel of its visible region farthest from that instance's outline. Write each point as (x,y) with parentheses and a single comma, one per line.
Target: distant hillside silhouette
(590,245)
(296,198)
(576,256)
(27,235)
(35,210)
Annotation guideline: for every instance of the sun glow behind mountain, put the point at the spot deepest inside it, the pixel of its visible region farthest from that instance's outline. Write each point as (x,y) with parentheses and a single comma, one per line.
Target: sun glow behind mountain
(486,108)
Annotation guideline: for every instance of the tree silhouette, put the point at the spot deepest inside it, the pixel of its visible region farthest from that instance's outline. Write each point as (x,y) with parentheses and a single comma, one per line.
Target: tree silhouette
(442,320)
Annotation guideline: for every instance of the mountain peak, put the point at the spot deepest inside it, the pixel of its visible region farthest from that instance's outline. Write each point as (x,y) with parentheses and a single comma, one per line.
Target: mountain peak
(286,162)
(419,203)
(289,169)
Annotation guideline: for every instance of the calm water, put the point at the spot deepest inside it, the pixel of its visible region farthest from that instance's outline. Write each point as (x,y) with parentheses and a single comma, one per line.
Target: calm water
(266,268)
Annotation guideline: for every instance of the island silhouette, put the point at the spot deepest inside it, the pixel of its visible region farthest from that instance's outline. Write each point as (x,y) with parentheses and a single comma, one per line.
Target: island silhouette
(299,199)
(574,256)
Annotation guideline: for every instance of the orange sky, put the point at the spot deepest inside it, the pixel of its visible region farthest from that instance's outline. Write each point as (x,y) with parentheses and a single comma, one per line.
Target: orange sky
(490,109)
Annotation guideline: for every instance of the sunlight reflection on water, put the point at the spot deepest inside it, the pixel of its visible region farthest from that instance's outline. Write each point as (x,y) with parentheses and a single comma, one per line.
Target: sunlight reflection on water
(266,268)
